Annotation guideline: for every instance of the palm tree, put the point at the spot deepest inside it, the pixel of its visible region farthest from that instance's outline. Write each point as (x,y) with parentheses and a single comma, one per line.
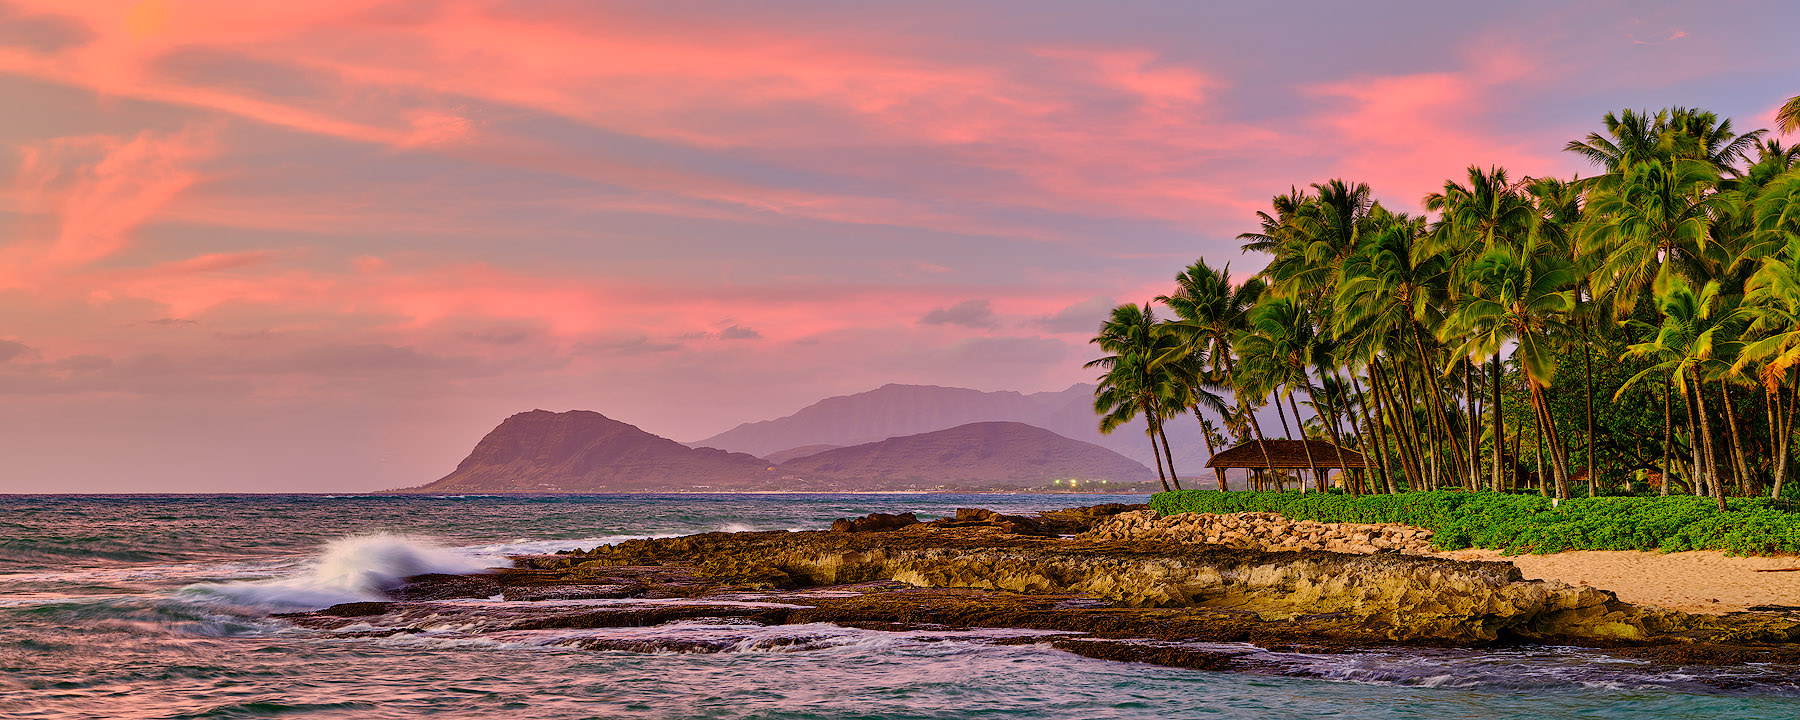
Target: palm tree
(1772,301)
(1280,333)
(1558,218)
(1672,133)
(1389,289)
(1518,297)
(1209,312)
(1489,212)
(1787,119)
(1631,136)
(1695,337)
(1196,384)
(1645,218)
(1133,383)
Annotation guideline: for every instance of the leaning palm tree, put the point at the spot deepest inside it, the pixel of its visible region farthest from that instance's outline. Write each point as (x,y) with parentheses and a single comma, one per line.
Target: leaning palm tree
(1134,383)
(1209,312)
(1520,298)
(1280,333)
(1198,386)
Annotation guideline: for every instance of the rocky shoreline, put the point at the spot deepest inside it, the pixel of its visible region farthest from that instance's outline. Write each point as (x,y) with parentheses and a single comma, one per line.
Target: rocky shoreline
(1111,581)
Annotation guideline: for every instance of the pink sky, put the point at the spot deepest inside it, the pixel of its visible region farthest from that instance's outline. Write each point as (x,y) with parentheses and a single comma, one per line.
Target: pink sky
(325,246)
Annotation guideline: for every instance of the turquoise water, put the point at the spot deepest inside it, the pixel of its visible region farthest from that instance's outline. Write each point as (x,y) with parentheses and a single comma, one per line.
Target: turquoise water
(158,607)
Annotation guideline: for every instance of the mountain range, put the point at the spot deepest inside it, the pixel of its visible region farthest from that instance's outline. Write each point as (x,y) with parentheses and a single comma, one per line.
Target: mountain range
(583,451)
(898,410)
(982,454)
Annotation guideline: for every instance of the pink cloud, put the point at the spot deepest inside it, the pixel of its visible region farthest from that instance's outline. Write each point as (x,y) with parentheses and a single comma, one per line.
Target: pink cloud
(394,80)
(1406,134)
(96,190)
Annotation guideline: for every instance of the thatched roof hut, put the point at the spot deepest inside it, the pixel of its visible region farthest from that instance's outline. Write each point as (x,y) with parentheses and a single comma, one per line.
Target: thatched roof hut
(1288,454)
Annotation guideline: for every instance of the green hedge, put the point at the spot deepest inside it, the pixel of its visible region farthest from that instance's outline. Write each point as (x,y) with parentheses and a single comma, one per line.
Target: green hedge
(1528,523)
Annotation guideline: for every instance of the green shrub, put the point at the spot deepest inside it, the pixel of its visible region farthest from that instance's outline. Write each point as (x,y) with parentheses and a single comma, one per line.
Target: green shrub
(1529,523)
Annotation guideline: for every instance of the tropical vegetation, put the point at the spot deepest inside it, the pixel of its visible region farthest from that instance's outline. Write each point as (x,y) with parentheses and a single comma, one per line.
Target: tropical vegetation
(1632,331)
(1528,523)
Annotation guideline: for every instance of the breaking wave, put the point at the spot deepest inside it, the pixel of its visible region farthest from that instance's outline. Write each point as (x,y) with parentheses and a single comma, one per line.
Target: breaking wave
(352,569)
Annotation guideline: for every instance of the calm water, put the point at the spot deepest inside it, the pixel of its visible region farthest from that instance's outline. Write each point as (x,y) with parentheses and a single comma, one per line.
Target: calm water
(157,607)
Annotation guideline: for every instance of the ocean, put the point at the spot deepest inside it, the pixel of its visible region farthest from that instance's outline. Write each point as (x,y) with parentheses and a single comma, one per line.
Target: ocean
(161,606)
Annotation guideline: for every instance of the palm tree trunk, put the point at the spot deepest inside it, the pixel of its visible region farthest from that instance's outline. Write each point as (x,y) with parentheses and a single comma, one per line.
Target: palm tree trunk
(1256,427)
(1737,443)
(1518,452)
(1559,447)
(1356,433)
(1163,433)
(1304,445)
(1433,444)
(1280,413)
(1427,465)
(1668,439)
(1782,444)
(1373,422)
(1697,483)
(1159,465)
(1559,464)
(1474,477)
(1449,446)
(1588,357)
(1537,446)
(1718,488)
(1210,451)
(1499,429)
(1390,480)
(1244,407)
(1405,435)
(1332,430)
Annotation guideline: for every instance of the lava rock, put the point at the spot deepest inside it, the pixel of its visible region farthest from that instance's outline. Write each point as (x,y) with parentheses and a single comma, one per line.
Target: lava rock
(874,522)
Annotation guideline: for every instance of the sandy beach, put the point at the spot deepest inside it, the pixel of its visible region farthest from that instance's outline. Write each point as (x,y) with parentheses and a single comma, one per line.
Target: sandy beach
(1702,581)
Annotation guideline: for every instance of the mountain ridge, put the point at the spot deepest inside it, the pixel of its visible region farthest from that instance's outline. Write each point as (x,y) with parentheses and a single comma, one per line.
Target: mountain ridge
(994,453)
(897,410)
(583,451)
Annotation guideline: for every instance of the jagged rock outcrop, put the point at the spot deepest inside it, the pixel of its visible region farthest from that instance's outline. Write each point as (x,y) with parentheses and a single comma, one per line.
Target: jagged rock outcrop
(1262,531)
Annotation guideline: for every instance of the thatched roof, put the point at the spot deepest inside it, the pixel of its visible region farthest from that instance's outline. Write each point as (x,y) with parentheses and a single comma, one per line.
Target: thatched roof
(1288,454)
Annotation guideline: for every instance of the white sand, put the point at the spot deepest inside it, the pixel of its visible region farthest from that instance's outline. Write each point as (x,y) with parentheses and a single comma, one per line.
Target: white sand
(1701,581)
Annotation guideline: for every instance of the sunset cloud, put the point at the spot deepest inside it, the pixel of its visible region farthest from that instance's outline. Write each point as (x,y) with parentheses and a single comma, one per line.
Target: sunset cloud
(255,220)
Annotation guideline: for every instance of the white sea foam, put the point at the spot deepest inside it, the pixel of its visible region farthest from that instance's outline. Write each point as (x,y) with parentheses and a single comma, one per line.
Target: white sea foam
(350,570)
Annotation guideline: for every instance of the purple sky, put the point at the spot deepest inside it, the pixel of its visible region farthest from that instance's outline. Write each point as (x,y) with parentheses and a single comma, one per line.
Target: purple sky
(325,246)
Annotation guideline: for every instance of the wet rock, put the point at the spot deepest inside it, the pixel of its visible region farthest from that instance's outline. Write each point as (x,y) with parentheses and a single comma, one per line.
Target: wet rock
(874,522)
(356,609)
(979,518)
